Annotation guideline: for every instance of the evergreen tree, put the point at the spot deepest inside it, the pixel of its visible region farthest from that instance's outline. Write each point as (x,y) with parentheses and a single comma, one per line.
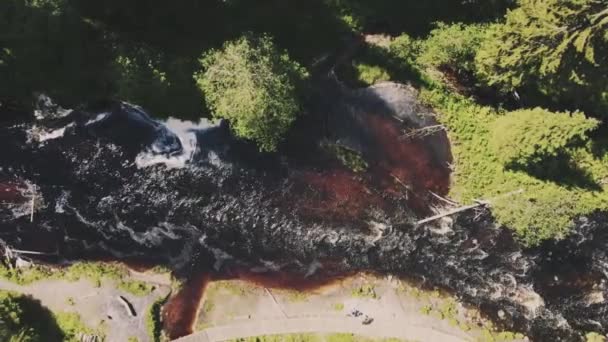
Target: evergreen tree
(558,48)
(527,136)
(252,85)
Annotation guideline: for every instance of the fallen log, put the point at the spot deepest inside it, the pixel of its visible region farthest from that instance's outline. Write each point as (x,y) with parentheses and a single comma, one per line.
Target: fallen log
(479,203)
(128,306)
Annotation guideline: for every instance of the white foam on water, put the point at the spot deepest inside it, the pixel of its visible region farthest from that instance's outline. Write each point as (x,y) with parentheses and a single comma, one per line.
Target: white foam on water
(98,118)
(54,134)
(313,268)
(186,132)
(24,208)
(219,255)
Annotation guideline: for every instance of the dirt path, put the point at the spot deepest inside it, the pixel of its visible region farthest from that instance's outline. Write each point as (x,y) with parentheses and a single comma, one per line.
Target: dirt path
(99,307)
(395,328)
(235,309)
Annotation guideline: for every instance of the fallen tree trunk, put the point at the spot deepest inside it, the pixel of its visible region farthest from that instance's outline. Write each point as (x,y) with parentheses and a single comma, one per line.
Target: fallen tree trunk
(467,207)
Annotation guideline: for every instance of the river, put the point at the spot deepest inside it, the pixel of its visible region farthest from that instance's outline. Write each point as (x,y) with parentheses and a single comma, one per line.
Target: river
(115,183)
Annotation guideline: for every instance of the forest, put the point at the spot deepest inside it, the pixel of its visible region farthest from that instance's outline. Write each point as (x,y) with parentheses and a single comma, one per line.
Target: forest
(520,85)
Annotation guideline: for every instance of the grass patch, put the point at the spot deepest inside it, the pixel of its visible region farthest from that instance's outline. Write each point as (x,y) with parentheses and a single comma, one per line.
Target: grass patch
(136,287)
(337,337)
(365,291)
(338,306)
(293,296)
(72,326)
(94,271)
(368,74)
(349,158)
(154,325)
(208,306)
(546,209)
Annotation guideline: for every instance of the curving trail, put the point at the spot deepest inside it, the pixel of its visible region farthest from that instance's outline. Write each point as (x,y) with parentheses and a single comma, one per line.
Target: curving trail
(396,328)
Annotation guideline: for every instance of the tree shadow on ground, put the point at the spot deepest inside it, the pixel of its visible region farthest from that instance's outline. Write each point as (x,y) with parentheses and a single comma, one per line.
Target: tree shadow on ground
(397,68)
(81,51)
(417,17)
(561,170)
(27,320)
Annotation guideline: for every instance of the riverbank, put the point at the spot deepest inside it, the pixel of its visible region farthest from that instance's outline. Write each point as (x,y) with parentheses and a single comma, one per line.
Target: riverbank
(363,304)
(113,306)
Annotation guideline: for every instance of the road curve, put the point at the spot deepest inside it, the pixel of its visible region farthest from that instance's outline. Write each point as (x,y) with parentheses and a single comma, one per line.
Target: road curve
(381,329)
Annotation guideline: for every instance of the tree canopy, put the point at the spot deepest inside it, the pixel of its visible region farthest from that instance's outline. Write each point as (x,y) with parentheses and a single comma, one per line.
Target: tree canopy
(558,48)
(23,319)
(250,83)
(452,46)
(529,135)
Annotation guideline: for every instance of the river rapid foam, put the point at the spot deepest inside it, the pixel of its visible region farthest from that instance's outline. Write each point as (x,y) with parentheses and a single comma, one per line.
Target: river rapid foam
(117,183)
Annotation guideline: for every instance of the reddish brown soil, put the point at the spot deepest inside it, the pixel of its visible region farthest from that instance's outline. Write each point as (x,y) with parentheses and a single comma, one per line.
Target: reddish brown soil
(180,312)
(406,166)
(338,194)
(402,168)
(9,193)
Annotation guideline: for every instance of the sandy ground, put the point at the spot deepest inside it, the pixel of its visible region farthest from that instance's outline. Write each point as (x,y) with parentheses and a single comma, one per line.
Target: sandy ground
(99,307)
(235,309)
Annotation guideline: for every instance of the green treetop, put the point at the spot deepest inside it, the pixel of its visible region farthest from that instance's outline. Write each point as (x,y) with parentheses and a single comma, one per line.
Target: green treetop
(529,135)
(558,48)
(453,46)
(252,85)
(23,319)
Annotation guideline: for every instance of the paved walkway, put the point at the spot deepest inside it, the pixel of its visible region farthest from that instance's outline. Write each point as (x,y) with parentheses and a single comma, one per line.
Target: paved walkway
(382,329)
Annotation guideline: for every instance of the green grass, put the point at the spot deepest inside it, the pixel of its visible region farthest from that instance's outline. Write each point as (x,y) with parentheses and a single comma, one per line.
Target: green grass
(349,158)
(72,326)
(368,74)
(154,320)
(546,209)
(337,337)
(338,306)
(548,205)
(96,272)
(208,306)
(365,291)
(293,296)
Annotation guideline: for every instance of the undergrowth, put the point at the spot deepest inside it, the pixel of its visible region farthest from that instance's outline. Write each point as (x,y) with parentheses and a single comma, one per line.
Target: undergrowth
(549,203)
(93,271)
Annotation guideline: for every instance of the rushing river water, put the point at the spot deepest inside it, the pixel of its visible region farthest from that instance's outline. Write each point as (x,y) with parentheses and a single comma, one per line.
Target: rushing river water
(116,183)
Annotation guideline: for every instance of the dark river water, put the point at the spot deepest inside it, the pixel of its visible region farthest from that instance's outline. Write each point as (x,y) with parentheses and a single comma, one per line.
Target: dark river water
(114,183)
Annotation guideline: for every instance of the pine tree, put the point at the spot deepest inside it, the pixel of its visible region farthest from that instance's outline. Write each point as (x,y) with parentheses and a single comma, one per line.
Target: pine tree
(252,85)
(527,136)
(556,47)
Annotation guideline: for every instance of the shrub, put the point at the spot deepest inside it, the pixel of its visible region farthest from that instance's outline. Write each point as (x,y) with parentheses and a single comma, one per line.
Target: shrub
(250,83)
(547,207)
(371,74)
(453,46)
(154,324)
(405,48)
(25,319)
(526,136)
(72,326)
